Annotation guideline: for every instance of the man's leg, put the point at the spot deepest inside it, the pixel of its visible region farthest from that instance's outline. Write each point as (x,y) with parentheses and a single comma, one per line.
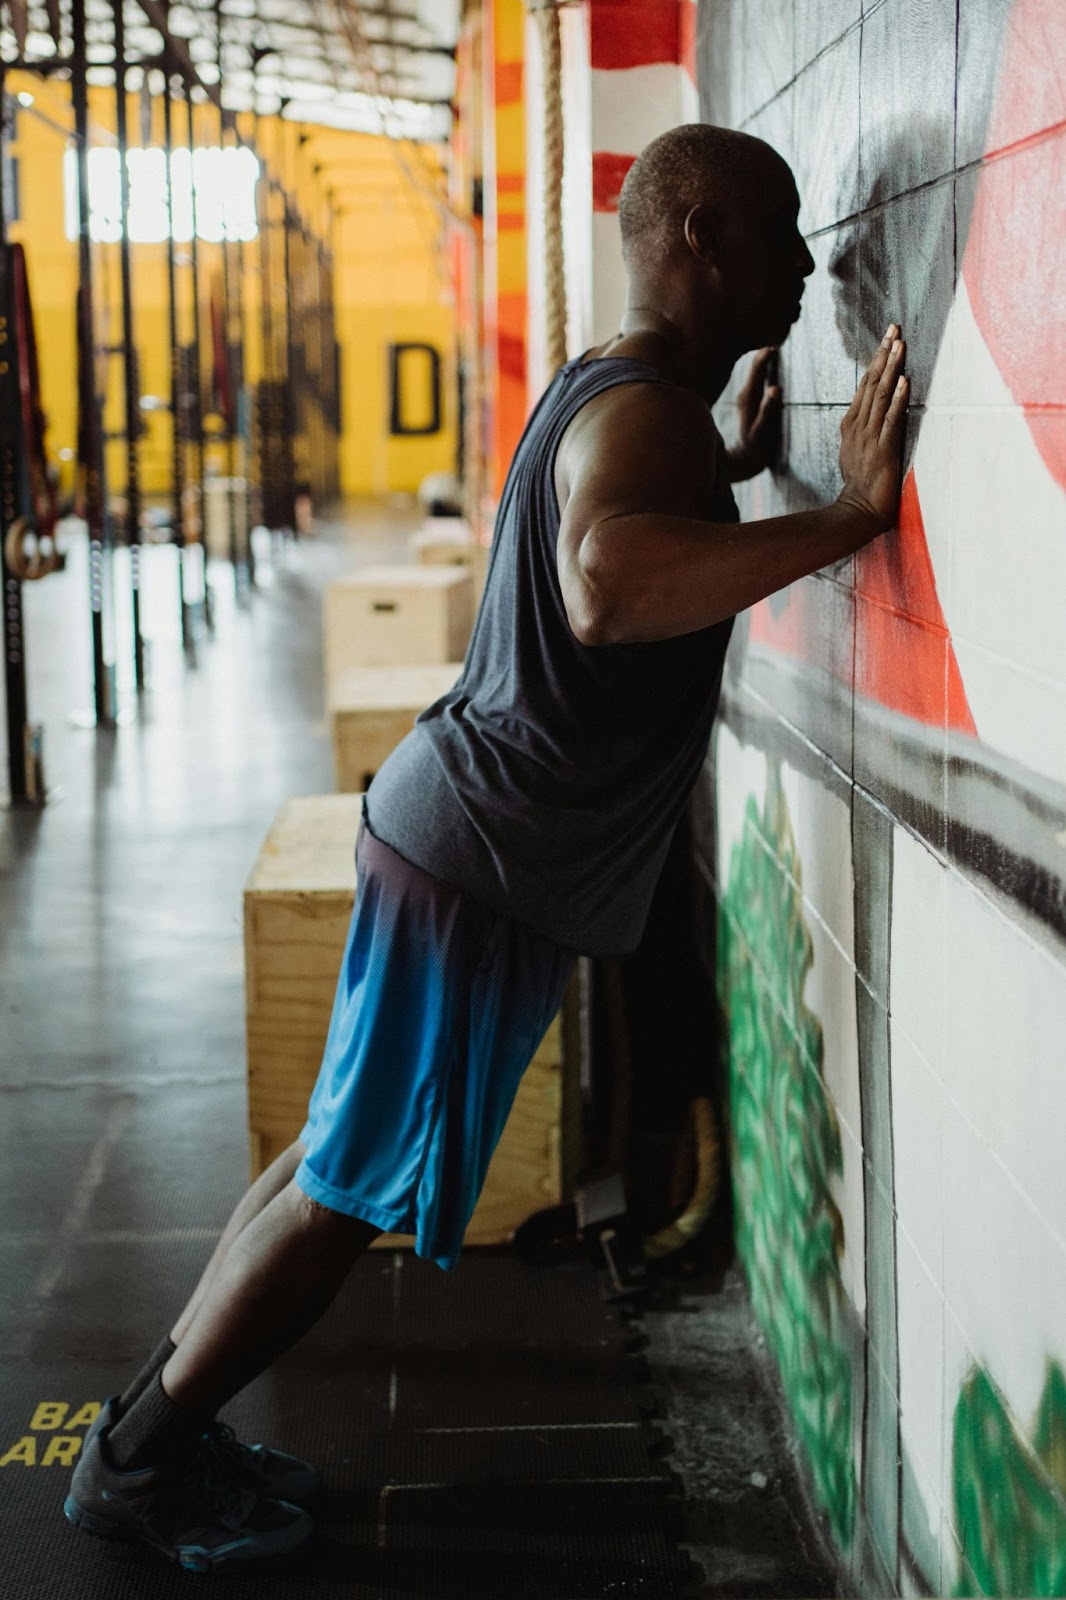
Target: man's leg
(156,1476)
(268,1184)
(278,1277)
(280,1273)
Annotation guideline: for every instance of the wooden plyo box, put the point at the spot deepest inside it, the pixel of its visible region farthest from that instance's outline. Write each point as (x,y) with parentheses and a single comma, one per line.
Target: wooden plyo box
(444,542)
(372,708)
(297,905)
(397,616)
(219,495)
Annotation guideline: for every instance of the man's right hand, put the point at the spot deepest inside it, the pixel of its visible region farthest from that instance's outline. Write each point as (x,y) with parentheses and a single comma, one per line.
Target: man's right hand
(871,436)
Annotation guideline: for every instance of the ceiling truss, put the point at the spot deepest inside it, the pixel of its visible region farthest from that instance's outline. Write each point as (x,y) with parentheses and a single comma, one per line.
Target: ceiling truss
(374,67)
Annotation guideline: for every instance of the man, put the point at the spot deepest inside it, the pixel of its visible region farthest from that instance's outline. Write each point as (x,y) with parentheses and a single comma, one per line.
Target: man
(524,820)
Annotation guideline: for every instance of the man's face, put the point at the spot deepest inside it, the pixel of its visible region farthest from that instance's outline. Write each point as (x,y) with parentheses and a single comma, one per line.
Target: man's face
(762,260)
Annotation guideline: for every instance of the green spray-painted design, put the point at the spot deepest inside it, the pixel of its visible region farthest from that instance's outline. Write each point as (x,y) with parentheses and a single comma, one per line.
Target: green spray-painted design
(785,1144)
(1010,1496)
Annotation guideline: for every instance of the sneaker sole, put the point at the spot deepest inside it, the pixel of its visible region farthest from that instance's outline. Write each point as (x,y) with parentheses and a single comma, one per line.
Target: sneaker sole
(100,1528)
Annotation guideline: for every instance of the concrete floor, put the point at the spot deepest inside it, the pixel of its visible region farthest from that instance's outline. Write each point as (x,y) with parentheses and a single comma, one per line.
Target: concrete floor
(747,1520)
(121,965)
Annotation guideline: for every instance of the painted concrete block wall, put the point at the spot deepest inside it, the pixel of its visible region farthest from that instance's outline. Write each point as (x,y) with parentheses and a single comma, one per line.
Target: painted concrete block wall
(885,807)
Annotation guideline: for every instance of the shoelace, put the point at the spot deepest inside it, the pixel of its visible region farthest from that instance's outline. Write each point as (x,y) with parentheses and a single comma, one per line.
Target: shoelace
(206,1471)
(219,1440)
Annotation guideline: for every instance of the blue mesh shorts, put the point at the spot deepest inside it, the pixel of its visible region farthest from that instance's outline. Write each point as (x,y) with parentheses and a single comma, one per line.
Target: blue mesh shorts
(439,1009)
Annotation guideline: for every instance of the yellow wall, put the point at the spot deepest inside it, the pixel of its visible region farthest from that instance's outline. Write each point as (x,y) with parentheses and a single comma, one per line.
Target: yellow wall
(391,283)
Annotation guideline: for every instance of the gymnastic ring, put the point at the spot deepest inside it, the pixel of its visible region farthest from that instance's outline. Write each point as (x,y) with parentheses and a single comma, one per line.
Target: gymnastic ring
(23,565)
(52,560)
(29,567)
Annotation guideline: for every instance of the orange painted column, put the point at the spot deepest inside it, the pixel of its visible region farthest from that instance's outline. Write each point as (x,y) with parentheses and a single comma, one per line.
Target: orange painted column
(466,190)
(507,210)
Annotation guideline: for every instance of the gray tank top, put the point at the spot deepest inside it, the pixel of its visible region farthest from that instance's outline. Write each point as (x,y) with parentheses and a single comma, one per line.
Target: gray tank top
(547,783)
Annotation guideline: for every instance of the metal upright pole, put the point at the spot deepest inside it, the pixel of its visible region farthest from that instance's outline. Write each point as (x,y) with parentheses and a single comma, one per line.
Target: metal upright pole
(321,381)
(320,369)
(91,432)
(129,353)
(262,212)
(196,375)
(330,348)
(177,463)
(241,398)
(312,370)
(227,414)
(227,350)
(14,651)
(266,408)
(289,408)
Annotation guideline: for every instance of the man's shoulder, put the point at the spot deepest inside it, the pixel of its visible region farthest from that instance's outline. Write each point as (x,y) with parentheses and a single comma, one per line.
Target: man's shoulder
(650,407)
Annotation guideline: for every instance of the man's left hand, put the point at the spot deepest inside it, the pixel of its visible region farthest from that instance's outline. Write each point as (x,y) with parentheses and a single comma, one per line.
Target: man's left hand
(759,415)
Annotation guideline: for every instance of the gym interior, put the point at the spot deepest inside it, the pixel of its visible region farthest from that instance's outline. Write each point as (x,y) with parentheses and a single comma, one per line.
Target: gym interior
(765,1293)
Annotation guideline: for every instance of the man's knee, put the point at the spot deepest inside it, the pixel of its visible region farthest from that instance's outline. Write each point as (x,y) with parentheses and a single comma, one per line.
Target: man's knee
(322,1222)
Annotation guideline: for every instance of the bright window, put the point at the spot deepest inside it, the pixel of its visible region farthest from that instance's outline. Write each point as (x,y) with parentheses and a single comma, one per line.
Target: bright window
(225,194)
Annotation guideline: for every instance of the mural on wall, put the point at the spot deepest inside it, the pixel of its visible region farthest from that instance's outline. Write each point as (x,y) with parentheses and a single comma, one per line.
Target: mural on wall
(922,683)
(785,1144)
(1010,1514)
(967,257)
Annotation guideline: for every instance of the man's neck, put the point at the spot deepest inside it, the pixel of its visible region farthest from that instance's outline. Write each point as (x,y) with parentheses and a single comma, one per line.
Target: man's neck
(689,355)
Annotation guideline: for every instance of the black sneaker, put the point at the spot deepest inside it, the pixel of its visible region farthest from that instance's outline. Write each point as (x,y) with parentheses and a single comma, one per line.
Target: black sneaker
(269,1473)
(184,1512)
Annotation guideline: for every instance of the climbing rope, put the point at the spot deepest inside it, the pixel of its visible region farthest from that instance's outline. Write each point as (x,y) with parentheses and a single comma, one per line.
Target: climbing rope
(547,16)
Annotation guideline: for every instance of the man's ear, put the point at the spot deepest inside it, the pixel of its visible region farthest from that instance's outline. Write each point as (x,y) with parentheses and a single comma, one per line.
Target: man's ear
(703,234)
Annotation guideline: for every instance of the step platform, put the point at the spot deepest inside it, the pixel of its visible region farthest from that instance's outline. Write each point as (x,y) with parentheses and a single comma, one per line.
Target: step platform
(297,906)
(444,542)
(372,708)
(383,616)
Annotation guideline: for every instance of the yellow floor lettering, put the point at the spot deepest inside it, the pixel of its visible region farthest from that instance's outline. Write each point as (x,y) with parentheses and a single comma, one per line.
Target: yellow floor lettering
(49,1414)
(63,1450)
(25,1453)
(86,1416)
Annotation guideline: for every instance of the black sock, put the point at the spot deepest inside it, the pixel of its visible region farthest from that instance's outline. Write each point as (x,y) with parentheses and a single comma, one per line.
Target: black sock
(155,1363)
(154,1429)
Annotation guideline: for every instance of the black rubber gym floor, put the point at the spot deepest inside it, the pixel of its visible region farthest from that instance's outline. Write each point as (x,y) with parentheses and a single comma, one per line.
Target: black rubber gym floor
(479,1435)
(480,1432)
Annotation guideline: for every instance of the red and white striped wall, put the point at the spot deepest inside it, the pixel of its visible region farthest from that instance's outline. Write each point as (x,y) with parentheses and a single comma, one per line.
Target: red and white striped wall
(643,81)
(628,74)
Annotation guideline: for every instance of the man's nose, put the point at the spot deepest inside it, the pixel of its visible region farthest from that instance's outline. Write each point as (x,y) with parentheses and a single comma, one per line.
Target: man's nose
(806,259)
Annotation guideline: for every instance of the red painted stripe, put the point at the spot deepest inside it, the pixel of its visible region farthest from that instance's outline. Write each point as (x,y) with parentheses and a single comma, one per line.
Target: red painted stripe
(634,33)
(510,221)
(511,392)
(909,668)
(686,37)
(510,183)
(508,82)
(903,654)
(512,356)
(608,175)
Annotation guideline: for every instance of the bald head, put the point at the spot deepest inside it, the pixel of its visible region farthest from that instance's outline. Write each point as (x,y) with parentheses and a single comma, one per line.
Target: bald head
(692,165)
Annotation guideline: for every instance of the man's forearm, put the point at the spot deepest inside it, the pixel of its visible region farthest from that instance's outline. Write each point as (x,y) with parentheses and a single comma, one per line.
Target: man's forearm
(646,577)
